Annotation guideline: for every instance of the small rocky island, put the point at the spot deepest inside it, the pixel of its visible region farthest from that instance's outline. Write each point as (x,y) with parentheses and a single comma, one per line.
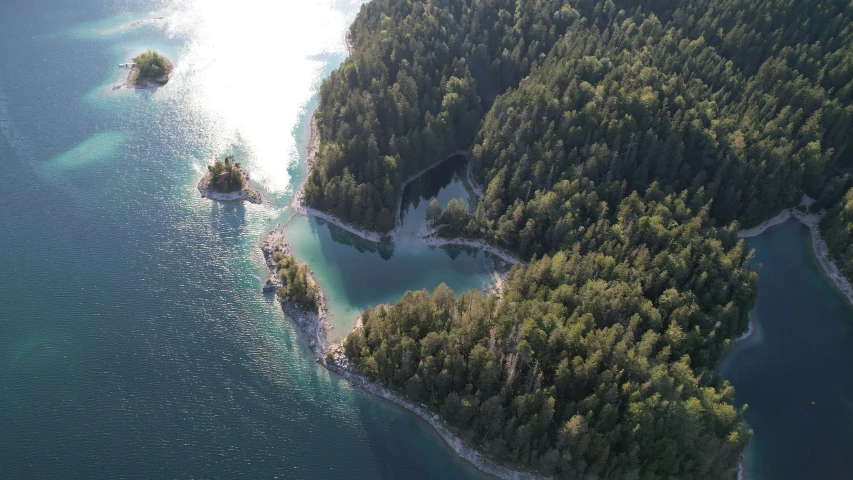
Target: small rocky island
(150,69)
(226,181)
(147,70)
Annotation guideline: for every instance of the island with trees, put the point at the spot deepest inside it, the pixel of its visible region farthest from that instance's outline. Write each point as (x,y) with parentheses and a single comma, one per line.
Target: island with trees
(621,149)
(149,69)
(226,180)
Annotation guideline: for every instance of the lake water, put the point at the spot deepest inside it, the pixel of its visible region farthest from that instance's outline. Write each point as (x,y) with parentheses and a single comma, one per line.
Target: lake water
(794,371)
(135,340)
(356,274)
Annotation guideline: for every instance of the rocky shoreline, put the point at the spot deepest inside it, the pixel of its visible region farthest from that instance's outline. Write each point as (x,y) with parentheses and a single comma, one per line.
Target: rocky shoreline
(821,251)
(313,324)
(750,329)
(429,236)
(348,40)
(742,472)
(316,326)
(247,194)
(337,362)
(298,203)
(477,189)
(331,356)
(762,227)
(299,206)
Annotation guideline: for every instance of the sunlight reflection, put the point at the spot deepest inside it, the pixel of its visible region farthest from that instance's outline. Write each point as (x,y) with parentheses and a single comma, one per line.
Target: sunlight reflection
(255,68)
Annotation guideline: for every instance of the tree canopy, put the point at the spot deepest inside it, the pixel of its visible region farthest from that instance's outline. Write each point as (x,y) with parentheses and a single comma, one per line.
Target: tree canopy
(297,286)
(721,94)
(597,359)
(620,146)
(152,67)
(414,90)
(837,229)
(226,176)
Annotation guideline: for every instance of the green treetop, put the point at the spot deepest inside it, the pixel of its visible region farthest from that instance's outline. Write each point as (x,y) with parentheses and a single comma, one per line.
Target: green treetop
(297,287)
(152,67)
(226,176)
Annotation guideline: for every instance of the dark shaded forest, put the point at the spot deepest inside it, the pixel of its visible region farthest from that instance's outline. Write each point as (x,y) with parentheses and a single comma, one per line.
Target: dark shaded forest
(620,146)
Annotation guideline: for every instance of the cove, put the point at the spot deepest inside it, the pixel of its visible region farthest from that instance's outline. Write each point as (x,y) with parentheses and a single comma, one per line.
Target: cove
(793,371)
(356,274)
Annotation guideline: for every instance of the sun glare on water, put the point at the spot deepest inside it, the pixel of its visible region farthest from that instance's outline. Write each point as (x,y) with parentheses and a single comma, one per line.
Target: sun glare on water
(254,65)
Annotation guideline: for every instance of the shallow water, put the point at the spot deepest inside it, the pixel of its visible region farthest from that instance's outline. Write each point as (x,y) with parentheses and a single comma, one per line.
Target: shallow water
(135,340)
(357,274)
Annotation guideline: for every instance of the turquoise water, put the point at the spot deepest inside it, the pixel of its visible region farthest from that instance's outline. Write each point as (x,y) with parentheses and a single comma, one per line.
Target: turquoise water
(135,338)
(356,274)
(794,371)
(135,341)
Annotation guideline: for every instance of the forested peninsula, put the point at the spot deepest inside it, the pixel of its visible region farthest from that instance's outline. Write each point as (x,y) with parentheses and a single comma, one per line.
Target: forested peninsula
(621,148)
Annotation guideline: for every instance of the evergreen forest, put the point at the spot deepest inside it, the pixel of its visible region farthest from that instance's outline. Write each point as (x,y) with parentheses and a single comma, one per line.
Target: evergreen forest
(620,146)
(151,67)
(226,175)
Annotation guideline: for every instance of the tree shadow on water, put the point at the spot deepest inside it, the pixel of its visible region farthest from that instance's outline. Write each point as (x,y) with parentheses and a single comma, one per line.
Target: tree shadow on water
(454,251)
(229,219)
(430,184)
(343,237)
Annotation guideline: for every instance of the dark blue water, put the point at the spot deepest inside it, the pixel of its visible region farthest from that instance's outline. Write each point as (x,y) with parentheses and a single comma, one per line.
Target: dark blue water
(794,371)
